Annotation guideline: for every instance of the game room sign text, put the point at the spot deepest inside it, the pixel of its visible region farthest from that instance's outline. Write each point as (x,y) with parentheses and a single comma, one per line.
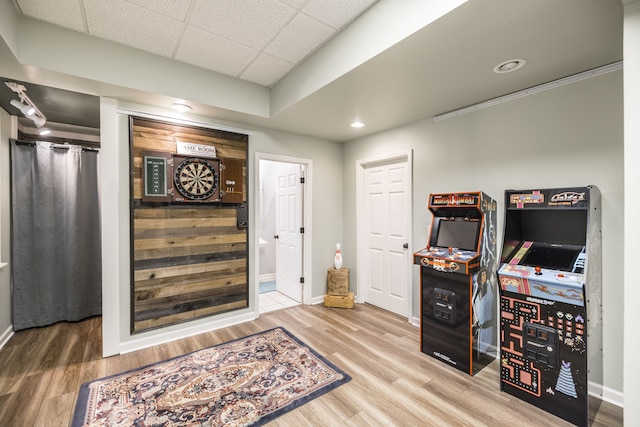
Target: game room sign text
(199,150)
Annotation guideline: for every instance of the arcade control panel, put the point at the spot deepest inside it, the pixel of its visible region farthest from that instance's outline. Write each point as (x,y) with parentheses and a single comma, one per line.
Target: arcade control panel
(449,260)
(562,281)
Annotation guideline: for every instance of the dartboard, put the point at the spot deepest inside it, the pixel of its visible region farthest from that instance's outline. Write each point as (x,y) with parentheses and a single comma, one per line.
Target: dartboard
(196,179)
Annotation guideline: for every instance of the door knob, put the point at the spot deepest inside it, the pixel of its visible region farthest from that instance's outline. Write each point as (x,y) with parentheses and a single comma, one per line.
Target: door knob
(406,246)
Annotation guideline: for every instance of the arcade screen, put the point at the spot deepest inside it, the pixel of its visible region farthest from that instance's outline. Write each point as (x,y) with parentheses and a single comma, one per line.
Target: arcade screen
(553,257)
(458,233)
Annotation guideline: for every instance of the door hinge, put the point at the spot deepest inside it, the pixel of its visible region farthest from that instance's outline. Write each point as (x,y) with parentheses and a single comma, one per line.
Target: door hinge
(301,230)
(302,280)
(302,180)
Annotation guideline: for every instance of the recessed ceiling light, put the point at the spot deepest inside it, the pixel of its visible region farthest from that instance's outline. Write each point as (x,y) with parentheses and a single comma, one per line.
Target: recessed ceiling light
(509,66)
(357,124)
(44,132)
(183,108)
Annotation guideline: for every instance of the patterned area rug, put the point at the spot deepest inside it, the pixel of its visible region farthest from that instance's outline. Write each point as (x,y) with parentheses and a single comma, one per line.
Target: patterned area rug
(246,382)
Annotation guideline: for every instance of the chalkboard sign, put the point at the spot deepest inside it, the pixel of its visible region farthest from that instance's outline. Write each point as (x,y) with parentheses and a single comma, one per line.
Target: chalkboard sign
(154,170)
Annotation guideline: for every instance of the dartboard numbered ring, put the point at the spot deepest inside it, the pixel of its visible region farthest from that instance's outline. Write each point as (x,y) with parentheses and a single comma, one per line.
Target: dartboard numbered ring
(196,179)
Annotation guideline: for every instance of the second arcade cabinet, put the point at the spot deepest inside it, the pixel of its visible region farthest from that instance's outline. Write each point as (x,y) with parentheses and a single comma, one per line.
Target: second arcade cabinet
(458,282)
(550,299)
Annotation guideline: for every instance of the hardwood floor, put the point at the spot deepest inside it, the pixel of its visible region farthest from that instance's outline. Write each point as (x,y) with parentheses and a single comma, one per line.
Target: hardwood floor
(393,383)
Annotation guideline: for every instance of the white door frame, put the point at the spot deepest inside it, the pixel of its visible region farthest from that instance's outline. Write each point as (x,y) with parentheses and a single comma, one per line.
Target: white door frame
(306,223)
(361,165)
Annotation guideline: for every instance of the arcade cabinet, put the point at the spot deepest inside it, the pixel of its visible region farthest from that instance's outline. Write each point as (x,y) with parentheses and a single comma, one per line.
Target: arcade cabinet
(550,299)
(458,301)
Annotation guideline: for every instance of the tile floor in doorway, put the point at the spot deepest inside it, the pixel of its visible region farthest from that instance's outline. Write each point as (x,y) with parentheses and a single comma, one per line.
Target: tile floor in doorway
(274,300)
(270,300)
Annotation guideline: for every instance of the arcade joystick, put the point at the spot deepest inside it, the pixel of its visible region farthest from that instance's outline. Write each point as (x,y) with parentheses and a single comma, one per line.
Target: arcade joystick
(538,270)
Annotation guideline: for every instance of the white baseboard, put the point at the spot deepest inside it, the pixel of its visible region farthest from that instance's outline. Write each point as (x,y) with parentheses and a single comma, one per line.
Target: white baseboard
(606,394)
(267,277)
(6,335)
(415,321)
(183,332)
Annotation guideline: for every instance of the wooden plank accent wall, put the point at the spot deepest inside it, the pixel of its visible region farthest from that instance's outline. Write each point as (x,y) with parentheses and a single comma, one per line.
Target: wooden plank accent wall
(189,260)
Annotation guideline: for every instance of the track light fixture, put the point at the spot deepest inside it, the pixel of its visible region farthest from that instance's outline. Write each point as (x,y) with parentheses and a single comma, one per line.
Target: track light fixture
(27,110)
(26,105)
(38,120)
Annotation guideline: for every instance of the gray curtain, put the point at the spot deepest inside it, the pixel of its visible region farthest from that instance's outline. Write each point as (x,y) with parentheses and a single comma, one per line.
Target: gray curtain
(56,257)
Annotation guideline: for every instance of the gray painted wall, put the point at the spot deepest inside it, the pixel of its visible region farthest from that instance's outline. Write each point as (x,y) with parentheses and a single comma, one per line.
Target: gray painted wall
(570,136)
(326,189)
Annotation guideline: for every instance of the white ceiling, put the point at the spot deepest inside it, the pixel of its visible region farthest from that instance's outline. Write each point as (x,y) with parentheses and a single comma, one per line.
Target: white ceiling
(254,40)
(445,65)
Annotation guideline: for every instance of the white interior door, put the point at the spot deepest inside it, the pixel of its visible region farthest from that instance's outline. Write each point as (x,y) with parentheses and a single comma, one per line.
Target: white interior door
(288,232)
(386,217)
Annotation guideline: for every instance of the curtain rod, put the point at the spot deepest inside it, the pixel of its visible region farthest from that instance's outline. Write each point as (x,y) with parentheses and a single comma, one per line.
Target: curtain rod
(54,145)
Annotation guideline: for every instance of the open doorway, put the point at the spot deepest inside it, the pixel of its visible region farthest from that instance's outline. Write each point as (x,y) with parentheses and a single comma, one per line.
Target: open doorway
(56,162)
(281,233)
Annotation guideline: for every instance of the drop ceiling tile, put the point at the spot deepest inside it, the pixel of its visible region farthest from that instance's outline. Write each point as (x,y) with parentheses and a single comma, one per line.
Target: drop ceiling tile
(266,70)
(65,13)
(299,38)
(176,9)
(209,51)
(336,13)
(252,23)
(131,25)
(294,3)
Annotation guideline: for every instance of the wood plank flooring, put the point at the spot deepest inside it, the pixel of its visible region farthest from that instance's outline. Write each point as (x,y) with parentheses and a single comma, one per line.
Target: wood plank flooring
(393,383)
